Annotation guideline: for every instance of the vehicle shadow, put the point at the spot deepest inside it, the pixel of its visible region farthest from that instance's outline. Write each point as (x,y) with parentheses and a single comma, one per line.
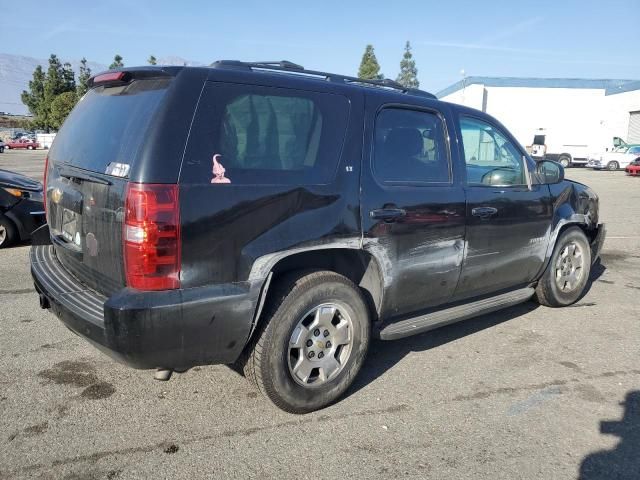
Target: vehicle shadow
(622,462)
(384,355)
(597,270)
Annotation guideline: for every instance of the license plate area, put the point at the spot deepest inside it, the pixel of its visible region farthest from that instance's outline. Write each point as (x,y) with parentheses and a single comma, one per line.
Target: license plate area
(70,227)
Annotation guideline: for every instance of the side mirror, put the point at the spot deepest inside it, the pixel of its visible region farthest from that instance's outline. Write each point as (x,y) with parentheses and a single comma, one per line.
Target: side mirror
(549,172)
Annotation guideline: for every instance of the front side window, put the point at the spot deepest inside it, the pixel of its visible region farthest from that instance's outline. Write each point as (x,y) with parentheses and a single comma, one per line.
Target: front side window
(490,157)
(252,135)
(410,147)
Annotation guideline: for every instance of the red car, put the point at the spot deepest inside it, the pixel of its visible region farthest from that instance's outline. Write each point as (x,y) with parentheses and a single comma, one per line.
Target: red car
(633,168)
(22,143)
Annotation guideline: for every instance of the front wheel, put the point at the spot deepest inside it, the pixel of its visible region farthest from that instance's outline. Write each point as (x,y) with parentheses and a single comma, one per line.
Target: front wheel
(565,161)
(613,166)
(312,343)
(567,274)
(8,232)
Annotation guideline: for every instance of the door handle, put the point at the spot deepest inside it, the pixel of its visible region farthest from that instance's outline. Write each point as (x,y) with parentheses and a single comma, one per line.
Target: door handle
(387,214)
(484,212)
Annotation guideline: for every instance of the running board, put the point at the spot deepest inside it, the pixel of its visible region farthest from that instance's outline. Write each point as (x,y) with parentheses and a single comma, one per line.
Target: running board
(423,323)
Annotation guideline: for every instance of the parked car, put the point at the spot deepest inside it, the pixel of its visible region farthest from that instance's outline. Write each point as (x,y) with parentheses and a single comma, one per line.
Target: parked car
(2,145)
(21,207)
(277,218)
(633,168)
(616,160)
(27,143)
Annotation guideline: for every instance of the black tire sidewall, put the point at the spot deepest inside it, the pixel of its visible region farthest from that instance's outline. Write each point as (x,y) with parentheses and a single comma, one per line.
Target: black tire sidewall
(278,379)
(561,298)
(11,232)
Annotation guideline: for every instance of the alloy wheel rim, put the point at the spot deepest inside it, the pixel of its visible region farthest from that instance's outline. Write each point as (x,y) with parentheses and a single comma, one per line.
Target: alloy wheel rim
(320,345)
(3,234)
(569,267)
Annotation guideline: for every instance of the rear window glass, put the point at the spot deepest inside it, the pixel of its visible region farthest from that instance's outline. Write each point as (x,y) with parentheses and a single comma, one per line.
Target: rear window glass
(108,125)
(245,134)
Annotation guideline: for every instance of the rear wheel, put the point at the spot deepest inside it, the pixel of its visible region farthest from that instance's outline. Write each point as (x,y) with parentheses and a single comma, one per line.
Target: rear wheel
(8,232)
(564,160)
(29,147)
(613,166)
(568,271)
(7,147)
(312,343)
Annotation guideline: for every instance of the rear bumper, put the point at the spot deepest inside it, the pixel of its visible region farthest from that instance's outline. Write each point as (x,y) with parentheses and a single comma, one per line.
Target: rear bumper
(168,329)
(632,170)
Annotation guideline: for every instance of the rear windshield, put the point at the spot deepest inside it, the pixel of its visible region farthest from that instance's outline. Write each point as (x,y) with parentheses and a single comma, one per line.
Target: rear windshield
(108,125)
(254,135)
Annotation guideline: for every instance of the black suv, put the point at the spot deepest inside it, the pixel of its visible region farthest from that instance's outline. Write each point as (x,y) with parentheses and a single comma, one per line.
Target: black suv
(276,218)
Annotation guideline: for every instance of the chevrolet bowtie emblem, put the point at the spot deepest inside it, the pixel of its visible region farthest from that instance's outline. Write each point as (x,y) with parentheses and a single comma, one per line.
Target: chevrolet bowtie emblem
(56,195)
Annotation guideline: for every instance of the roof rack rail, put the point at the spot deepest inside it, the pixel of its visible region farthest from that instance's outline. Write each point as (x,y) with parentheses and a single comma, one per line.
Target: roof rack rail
(286,66)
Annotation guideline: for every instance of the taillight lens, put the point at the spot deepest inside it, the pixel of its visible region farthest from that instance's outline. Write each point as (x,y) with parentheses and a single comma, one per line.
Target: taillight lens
(151,236)
(44,185)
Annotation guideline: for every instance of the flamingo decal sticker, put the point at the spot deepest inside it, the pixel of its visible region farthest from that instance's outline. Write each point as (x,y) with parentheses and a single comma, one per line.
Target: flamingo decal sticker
(218,171)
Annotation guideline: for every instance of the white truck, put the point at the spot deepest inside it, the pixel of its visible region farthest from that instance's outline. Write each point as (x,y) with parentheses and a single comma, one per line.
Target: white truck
(554,146)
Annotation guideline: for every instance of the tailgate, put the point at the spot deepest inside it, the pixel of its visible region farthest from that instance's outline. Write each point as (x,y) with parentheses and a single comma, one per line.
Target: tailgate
(87,177)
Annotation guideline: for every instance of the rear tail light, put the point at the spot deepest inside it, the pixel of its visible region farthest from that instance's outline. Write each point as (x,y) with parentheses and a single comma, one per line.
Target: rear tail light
(151,236)
(44,185)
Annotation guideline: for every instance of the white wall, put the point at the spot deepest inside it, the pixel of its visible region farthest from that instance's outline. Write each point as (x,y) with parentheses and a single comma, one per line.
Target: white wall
(570,116)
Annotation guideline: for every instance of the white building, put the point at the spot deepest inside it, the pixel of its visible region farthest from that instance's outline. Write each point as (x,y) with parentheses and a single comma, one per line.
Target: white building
(578,114)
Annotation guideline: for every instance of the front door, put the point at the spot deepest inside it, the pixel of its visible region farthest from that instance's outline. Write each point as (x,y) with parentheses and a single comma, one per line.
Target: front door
(412,205)
(508,222)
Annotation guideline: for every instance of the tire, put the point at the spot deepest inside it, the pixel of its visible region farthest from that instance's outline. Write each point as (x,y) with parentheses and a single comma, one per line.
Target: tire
(1,149)
(7,147)
(8,232)
(277,366)
(613,166)
(565,161)
(29,147)
(563,282)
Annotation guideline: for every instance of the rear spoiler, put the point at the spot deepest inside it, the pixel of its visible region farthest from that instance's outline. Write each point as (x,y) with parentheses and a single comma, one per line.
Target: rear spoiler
(124,76)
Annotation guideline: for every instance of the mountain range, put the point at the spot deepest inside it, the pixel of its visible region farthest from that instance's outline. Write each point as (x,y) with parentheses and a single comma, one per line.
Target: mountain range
(16,71)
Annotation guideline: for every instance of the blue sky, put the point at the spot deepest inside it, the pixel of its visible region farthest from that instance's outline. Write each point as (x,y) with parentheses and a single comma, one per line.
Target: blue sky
(541,38)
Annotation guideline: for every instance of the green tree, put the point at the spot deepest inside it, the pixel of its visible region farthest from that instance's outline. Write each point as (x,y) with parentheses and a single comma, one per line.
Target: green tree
(408,76)
(117,62)
(369,66)
(61,106)
(152,60)
(83,78)
(45,87)
(34,97)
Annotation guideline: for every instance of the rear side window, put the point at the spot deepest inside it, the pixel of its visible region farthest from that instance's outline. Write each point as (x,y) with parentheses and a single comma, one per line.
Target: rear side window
(252,135)
(410,147)
(109,125)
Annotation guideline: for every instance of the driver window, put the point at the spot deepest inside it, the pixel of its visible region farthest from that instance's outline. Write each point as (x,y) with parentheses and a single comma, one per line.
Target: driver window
(490,157)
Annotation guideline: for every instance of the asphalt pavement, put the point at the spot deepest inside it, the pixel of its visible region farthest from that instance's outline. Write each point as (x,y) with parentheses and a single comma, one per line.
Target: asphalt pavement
(527,393)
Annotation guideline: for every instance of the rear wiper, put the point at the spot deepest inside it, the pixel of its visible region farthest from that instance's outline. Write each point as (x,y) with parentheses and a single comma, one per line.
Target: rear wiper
(68,173)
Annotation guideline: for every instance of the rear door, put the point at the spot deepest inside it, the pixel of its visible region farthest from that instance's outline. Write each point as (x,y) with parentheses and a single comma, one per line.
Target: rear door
(508,223)
(89,165)
(412,204)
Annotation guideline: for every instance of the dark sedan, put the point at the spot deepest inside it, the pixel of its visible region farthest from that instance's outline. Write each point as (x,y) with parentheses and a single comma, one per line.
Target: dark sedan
(21,207)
